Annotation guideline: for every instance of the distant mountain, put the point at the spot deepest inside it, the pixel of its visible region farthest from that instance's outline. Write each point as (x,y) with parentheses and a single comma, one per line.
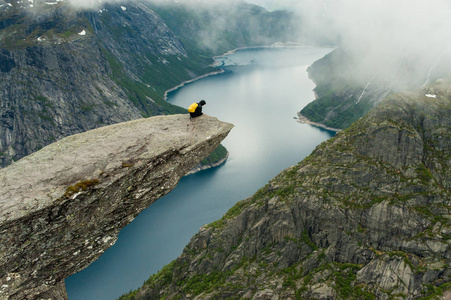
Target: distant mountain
(65,70)
(218,27)
(349,85)
(365,216)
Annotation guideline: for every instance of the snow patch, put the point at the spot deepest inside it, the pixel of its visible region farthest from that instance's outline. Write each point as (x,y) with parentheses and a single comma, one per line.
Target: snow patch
(83,32)
(53,2)
(40,39)
(124,8)
(431,96)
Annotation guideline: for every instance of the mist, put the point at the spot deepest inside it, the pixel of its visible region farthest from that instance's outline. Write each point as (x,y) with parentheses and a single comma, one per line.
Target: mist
(393,40)
(401,41)
(94,4)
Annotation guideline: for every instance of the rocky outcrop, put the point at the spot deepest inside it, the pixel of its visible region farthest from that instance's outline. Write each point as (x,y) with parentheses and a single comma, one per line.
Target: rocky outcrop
(366,215)
(62,206)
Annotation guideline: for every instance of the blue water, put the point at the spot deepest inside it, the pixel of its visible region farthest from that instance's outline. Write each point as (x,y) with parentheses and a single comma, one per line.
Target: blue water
(260,92)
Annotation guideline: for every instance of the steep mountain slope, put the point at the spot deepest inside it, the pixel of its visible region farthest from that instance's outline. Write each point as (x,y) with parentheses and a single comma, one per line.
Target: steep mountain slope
(366,215)
(230,25)
(65,70)
(349,84)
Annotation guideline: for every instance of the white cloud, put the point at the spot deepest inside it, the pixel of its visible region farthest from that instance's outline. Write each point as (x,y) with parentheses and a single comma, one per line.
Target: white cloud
(385,33)
(382,32)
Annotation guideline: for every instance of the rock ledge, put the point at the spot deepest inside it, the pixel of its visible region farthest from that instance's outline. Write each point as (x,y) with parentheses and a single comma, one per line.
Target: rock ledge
(63,206)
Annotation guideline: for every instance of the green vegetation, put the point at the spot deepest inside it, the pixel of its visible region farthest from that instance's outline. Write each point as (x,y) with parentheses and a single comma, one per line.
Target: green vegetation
(306,238)
(204,283)
(217,155)
(80,186)
(164,276)
(292,275)
(435,292)
(200,29)
(345,278)
(150,99)
(424,174)
(336,109)
(338,92)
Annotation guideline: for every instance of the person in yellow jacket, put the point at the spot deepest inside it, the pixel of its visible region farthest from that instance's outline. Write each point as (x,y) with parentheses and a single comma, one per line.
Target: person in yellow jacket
(195,109)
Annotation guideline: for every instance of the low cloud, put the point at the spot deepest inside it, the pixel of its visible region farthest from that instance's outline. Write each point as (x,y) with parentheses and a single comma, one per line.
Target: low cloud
(92,4)
(387,35)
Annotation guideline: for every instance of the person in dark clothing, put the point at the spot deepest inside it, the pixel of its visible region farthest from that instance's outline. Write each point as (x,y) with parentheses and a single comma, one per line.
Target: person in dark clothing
(195,109)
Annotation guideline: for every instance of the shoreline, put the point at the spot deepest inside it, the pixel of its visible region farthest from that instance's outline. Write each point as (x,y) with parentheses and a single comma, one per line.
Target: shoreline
(165,97)
(275,45)
(304,120)
(200,167)
(220,71)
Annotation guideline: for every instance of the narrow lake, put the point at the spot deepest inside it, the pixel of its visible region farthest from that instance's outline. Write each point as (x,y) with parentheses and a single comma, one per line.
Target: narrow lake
(260,92)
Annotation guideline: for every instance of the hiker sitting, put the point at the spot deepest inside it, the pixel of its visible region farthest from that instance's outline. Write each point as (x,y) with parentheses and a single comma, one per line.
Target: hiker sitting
(195,109)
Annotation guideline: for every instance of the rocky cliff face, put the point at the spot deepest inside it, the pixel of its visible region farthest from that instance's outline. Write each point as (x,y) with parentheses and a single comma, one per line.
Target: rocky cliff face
(63,206)
(366,215)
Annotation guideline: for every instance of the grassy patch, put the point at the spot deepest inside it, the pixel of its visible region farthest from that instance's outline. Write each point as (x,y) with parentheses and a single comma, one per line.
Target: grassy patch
(80,186)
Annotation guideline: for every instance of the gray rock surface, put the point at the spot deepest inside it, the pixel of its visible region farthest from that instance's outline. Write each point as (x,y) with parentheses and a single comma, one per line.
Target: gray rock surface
(63,206)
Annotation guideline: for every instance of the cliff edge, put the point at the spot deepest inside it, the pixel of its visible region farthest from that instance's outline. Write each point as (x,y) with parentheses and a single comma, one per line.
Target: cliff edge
(63,206)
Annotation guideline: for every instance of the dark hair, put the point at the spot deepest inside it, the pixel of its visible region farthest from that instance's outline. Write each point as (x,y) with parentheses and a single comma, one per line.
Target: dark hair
(202,102)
